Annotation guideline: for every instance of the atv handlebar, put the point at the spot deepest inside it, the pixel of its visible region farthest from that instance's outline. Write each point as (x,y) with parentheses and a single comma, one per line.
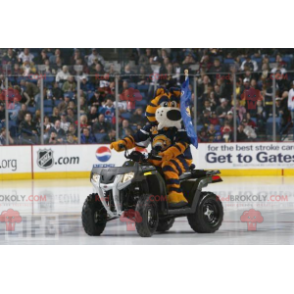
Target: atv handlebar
(138,156)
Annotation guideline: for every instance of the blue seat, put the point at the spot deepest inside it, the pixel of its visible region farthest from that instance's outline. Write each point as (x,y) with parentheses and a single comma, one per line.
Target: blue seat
(217,128)
(133,85)
(99,137)
(13,129)
(57,102)
(126,115)
(258,60)
(19,79)
(220,58)
(143,87)
(134,128)
(11,79)
(48,110)
(49,79)
(272,59)
(32,109)
(253,119)
(48,103)
(287,58)
(12,123)
(269,125)
(89,95)
(143,95)
(141,103)
(68,94)
(229,61)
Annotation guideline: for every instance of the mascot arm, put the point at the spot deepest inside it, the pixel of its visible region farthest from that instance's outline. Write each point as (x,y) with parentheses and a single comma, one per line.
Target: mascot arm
(183,142)
(174,151)
(141,138)
(128,143)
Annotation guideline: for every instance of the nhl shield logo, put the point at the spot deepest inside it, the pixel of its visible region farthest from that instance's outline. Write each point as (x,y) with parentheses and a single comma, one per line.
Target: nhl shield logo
(45,158)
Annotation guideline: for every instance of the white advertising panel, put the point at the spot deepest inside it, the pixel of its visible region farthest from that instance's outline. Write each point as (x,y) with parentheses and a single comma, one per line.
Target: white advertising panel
(62,158)
(15,160)
(246,155)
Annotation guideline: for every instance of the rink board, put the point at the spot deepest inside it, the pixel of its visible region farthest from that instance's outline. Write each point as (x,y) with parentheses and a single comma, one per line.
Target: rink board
(76,161)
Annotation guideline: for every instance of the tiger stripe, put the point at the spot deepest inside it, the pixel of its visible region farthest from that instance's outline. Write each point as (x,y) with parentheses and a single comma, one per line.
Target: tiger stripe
(181,146)
(178,167)
(129,143)
(183,163)
(172,182)
(179,190)
(150,114)
(178,147)
(132,139)
(171,176)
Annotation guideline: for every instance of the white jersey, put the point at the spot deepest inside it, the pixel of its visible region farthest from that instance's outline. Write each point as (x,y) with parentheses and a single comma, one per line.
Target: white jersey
(291,99)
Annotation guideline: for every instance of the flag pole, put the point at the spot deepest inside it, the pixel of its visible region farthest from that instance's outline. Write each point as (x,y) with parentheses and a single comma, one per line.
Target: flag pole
(186,74)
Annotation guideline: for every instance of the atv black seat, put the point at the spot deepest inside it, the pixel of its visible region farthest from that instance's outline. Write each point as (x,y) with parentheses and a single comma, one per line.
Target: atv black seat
(186,175)
(198,173)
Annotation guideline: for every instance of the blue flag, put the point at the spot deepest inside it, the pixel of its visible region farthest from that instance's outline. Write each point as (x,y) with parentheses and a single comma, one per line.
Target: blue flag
(185,111)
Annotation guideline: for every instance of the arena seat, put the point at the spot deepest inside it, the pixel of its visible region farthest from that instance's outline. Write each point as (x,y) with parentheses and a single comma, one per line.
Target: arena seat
(272,59)
(48,103)
(48,110)
(253,119)
(133,85)
(143,87)
(126,115)
(229,61)
(269,125)
(68,94)
(99,137)
(57,102)
(32,110)
(258,60)
(141,103)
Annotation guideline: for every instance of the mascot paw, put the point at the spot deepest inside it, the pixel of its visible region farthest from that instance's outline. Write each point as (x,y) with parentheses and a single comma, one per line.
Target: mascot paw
(117,146)
(167,155)
(176,200)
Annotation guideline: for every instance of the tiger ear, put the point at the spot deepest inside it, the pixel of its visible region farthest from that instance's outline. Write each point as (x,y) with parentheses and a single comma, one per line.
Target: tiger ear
(176,92)
(159,91)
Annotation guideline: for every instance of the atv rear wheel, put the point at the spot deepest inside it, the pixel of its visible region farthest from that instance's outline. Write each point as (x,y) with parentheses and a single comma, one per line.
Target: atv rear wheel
(94,216)
(209,214)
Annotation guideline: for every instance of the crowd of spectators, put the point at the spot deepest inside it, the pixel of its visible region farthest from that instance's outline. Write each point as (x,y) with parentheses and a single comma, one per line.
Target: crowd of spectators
(139,72)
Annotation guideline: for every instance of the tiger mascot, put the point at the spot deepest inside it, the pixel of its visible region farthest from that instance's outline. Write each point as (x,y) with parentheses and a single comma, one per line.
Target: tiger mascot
(166,134)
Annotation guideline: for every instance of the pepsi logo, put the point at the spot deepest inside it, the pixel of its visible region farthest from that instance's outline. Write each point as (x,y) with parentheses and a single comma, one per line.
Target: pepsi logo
(103,154)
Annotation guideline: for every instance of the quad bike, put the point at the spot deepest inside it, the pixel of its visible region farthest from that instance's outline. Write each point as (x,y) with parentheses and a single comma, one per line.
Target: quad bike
(137,191)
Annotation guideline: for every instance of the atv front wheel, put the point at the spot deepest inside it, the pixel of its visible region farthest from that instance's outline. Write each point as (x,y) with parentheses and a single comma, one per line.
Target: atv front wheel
(147,211)
(165,225)
(209,214)
(94,216)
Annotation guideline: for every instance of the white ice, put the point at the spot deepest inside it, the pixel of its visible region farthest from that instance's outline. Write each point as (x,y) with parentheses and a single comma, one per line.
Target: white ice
(53,214)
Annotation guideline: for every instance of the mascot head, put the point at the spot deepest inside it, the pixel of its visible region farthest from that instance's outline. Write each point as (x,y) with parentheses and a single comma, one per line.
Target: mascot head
(165,108)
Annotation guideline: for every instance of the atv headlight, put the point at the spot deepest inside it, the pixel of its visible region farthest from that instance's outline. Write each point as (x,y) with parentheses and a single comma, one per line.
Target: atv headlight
(95,178)
(127,177)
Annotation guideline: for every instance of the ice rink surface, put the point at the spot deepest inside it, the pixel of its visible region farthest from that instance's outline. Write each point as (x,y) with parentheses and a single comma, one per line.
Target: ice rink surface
(49,212)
